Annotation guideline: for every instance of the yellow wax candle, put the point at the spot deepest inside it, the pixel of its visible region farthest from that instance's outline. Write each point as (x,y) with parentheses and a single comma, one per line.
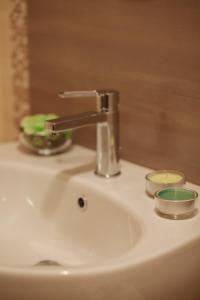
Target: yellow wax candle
(165,178)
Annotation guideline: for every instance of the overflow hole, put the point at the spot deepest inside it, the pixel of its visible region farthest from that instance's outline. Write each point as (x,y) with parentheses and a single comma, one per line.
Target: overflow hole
(82,202)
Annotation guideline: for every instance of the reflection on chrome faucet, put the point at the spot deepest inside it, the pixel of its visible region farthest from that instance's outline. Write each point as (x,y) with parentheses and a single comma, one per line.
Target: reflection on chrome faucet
(106,118)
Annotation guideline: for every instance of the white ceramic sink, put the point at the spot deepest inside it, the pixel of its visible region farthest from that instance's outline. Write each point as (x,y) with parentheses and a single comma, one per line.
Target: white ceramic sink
(54,217)
(68,234)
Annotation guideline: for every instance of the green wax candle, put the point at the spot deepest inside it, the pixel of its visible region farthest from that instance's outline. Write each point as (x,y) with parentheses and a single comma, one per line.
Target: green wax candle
(176,194)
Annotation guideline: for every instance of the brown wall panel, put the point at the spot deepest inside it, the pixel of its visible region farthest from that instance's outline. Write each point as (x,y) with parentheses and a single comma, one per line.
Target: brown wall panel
(147,49)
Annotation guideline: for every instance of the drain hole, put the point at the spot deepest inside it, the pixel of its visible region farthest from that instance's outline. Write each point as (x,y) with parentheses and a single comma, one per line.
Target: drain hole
(47,263)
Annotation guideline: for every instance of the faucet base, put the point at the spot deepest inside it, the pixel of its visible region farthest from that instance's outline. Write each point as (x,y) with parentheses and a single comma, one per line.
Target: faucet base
(107,175)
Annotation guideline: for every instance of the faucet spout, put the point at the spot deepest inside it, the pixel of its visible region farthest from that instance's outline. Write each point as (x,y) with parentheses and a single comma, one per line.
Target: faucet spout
(106,118)
(75,121)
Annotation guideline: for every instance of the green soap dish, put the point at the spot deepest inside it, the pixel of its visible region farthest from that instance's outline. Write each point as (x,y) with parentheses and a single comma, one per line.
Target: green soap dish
(34,137)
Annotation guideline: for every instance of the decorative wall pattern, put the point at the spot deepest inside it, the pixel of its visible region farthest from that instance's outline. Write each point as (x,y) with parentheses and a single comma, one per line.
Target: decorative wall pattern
(19,59)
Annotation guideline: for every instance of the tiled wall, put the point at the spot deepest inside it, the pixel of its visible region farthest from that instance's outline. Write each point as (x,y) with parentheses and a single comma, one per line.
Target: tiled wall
(147,49)
(14,71)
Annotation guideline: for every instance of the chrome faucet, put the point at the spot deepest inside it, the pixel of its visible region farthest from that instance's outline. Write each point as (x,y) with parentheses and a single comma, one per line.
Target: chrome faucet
(107,119)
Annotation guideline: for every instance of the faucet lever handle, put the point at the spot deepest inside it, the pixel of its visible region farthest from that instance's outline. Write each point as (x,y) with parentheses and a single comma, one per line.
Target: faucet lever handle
(77,94)
(107,100)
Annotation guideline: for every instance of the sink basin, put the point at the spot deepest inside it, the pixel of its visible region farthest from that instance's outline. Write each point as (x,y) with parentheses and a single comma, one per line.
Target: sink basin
(52,217)
(68,234)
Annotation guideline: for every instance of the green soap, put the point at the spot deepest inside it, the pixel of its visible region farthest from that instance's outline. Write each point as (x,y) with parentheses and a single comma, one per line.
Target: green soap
(35,124)
(176,194)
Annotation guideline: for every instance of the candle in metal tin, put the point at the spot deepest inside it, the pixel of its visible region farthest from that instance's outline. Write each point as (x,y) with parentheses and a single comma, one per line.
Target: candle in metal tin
(158,180)
(176,203)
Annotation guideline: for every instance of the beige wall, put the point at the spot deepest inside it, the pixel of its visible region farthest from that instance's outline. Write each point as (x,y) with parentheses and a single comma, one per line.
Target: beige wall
(7,128)
(148,50)
(14,82)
